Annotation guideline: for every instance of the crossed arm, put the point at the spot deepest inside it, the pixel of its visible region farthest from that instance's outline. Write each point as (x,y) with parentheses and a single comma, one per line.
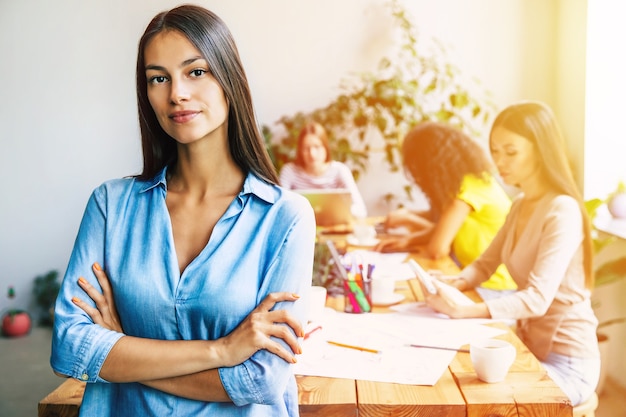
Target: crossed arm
(188,368)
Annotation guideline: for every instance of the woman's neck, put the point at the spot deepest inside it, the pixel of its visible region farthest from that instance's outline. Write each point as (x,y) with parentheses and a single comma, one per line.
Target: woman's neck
(535,188)
(205,172)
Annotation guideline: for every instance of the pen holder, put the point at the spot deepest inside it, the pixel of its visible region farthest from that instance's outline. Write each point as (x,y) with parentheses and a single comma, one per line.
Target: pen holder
(357,295)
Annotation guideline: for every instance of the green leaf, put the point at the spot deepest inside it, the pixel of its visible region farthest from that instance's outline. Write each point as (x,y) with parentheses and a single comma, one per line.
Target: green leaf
(611,271)
(459,100)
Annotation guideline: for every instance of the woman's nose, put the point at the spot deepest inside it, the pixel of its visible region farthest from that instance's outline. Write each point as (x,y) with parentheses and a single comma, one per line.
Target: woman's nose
(179,92)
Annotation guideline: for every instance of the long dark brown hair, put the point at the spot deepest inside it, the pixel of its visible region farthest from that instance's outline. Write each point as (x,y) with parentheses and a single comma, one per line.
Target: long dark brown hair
(210,35)
(536,122)
(437,157)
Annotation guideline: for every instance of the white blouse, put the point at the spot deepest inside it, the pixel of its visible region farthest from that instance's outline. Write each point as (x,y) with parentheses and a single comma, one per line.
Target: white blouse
(338,175)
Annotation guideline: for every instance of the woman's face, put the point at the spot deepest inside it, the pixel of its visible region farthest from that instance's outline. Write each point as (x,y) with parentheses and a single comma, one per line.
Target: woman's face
(515,157)
(187,100)
(313,151)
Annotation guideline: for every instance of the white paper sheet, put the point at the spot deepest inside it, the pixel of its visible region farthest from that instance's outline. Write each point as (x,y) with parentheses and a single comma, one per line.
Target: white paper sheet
(390,334)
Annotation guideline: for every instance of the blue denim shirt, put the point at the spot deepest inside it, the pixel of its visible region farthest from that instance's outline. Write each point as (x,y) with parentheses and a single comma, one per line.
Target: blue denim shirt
(263,243)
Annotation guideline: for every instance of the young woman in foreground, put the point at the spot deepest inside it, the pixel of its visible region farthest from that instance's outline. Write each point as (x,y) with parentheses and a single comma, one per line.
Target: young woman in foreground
(197,249)
(546,245)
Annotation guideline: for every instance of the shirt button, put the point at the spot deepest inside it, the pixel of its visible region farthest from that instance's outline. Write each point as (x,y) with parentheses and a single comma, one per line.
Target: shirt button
(84,377)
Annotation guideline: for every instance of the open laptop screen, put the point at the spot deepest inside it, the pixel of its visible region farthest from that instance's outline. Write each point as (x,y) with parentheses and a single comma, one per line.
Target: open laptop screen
(332,206)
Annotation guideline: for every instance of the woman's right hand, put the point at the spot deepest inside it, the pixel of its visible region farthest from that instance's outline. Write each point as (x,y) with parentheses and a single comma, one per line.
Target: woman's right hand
(393,244)
(397,218)
(255,332)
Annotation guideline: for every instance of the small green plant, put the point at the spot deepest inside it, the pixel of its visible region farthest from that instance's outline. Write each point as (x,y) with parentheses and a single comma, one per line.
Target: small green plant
(45,291)
(11,295)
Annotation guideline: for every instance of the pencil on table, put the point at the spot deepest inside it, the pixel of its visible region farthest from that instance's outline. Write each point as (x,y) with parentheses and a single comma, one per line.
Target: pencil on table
(362,349)
(440,348)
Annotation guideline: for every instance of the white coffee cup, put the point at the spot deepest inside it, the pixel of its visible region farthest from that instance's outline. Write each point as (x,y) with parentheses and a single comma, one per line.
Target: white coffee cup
(492,359)
(363,232)
(382,289)
(317,303)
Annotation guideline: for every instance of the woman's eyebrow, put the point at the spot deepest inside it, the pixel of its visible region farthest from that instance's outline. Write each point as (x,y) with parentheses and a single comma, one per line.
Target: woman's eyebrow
(182,64)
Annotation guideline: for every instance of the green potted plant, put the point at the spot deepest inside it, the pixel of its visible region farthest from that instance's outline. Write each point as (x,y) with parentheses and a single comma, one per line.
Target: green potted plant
(45,290)
(374,110)
(15,322)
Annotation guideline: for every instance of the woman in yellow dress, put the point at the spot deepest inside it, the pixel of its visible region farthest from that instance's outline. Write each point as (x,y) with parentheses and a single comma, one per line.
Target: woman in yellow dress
(467,205)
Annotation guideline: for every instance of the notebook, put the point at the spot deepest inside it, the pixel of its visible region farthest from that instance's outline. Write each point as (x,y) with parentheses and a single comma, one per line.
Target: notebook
(332,207)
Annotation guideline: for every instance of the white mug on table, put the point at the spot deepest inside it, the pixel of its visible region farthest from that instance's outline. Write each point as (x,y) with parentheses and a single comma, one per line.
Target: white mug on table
(363,232)
(382,289)
(492,359)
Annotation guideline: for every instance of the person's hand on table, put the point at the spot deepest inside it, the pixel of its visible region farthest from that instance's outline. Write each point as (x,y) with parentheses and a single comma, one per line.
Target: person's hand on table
(453,280)
(397,218)
(439,302)
(252,334)
(443,304)
(392,244)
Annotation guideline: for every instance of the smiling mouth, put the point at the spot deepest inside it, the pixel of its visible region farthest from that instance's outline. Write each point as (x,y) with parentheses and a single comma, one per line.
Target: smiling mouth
(183,116)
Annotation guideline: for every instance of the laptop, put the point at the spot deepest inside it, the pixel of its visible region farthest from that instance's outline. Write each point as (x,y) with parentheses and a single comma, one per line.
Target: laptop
(332,207)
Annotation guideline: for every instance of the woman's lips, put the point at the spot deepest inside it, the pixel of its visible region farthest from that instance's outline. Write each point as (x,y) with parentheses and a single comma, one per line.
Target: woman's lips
(183,116)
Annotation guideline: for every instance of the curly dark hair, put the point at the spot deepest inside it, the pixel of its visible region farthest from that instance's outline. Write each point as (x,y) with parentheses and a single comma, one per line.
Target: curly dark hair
(437,157)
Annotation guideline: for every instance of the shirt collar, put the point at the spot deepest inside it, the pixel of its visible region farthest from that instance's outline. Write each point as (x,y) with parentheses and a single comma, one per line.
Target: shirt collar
(251,185)
(254,185)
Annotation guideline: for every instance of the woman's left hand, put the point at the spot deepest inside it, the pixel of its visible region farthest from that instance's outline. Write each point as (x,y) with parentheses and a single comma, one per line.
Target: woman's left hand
(105,313)
(439,302)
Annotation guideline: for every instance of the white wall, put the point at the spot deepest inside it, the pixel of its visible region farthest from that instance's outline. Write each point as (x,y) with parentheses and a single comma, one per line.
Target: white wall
(605,150)
(605,135)
(68,117)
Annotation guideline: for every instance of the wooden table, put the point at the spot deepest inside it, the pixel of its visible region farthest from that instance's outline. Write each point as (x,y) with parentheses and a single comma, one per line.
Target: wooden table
(527,390)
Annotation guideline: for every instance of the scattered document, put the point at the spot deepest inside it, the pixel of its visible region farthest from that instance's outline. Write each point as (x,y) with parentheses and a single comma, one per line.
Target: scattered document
(376,347)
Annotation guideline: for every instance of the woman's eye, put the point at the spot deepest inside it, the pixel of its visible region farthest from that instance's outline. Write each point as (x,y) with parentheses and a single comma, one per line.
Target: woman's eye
(157,79)
(198,72)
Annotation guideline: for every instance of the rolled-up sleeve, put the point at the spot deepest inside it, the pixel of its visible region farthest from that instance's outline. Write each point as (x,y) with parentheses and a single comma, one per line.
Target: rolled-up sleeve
(80,347)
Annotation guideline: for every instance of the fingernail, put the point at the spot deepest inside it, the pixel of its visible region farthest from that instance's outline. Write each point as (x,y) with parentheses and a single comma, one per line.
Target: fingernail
(97,266)
(295,295)
(294,360)
(75,300)
(82,280)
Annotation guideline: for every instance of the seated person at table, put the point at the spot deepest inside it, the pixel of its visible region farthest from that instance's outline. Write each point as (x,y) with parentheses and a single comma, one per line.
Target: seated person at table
(546,244)
(467,205)
(314,167)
